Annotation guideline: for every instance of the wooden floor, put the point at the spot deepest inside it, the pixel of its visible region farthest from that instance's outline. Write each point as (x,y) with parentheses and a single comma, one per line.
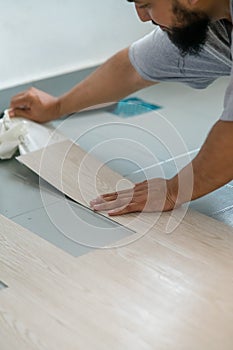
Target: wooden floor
(160,292)
(157,291)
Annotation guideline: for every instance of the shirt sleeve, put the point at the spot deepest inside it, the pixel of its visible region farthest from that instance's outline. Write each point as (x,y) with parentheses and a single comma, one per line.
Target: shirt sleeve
(156,59)
(227,114)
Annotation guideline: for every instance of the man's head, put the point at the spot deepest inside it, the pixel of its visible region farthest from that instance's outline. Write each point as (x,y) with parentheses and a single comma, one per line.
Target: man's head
(185,21)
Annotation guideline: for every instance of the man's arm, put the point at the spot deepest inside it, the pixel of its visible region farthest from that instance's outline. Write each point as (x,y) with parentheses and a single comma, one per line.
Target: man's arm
(114,80)
(211,169)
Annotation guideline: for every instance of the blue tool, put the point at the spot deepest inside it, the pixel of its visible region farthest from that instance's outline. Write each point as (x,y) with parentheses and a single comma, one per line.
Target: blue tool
(132,106)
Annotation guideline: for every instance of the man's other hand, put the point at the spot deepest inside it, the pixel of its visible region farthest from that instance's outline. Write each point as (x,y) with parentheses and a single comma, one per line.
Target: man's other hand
(35,105)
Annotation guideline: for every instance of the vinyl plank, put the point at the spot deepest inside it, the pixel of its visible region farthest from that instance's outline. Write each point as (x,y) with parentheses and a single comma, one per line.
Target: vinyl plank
(162,291)
(82,177)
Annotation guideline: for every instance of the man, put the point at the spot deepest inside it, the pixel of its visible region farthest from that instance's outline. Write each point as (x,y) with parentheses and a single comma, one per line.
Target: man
(192,44)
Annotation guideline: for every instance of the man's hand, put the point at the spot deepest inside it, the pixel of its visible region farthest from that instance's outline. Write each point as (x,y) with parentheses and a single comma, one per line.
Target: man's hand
(148,196)
(35,105)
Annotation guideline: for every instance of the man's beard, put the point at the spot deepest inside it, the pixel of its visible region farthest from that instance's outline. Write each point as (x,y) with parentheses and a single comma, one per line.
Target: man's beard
(190,37)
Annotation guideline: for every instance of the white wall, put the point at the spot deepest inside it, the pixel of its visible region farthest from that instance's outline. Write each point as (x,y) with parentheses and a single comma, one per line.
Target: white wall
(44,38)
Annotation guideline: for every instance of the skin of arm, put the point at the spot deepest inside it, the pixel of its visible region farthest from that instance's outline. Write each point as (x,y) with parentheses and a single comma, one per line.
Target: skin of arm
(114,80)
(210,169)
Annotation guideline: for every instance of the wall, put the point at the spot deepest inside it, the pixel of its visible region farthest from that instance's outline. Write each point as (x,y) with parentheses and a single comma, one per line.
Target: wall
(45,38)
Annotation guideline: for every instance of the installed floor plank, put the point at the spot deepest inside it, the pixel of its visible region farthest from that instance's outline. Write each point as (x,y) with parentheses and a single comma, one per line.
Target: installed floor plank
(160,292)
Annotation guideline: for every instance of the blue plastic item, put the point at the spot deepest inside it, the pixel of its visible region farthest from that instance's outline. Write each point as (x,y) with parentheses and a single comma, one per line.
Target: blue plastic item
(133,106)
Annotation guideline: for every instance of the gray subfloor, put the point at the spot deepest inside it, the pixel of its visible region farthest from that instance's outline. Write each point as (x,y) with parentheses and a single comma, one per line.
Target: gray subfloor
(141,147)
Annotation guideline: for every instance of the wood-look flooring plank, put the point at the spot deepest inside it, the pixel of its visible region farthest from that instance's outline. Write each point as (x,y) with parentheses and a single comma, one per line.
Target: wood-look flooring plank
(82,177)
(151,294)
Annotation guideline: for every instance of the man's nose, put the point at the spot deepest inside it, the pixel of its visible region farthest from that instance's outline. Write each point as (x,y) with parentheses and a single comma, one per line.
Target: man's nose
(144,15)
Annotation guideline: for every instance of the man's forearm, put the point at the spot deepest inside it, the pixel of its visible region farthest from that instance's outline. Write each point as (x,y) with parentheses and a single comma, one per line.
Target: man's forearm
(211,168)
(114,80)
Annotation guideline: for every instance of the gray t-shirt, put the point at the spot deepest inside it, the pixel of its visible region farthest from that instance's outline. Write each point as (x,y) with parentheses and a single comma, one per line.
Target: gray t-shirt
(157,59)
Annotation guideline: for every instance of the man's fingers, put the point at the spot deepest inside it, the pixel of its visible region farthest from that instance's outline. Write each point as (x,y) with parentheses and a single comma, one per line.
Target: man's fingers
(105,198)
(111,197)
(130,208)
(115,194)
(19,95)
(18,112)
(111,205)
(108,197)
(22,101)
(132,193)
(147,196)
(139,202)
(21,106)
